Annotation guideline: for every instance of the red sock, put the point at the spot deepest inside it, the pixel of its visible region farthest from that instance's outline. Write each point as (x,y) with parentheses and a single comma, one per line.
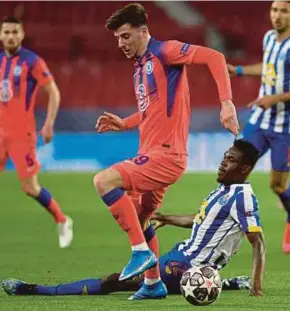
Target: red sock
(125,213)
(287,234)
(153,273)
(56,212)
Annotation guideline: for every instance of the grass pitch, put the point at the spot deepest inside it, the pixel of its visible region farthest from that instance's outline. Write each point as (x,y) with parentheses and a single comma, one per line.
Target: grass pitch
(29,246)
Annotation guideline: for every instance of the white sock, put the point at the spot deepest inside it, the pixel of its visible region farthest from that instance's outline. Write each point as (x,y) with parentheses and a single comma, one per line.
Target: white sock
(140,247)
(151,281)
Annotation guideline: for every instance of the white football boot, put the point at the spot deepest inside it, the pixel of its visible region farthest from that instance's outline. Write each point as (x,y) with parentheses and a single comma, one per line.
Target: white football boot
(65,232)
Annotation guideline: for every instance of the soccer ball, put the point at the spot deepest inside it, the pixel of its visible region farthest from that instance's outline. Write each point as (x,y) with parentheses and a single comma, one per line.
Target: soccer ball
(201,286)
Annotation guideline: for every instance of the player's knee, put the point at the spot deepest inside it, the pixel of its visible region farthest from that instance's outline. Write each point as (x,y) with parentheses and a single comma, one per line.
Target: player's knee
(278,187)
(107,180)
(31,190)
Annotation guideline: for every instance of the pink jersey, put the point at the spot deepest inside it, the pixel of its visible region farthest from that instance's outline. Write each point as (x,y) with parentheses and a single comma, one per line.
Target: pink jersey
(162,92)
(20,77)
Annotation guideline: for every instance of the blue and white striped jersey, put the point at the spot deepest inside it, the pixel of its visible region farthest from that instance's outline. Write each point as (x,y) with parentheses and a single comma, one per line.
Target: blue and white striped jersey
(275,80)
(218,228)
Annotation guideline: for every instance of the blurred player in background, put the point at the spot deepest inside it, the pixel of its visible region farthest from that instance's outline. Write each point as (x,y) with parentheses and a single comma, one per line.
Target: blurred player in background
(224,217)
(269,123)
(162,92)
(21,73)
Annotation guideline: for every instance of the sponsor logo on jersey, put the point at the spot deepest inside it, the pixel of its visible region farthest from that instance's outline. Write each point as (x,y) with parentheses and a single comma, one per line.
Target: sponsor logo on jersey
(143,100)
(6,92)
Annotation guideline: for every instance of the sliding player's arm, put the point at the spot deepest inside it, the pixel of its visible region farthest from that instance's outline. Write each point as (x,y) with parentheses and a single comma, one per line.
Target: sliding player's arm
(45,79)
(249,70)
(111,122)
(257,241)
(246,214)
(183,221)
(177,53)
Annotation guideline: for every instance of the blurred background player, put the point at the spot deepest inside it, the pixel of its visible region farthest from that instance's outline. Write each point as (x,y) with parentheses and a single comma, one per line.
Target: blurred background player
(217,230)
(162,92)
(269,124)
(21,73)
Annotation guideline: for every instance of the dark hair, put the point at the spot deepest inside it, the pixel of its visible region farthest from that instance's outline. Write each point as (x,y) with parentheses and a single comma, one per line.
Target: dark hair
(250,152)
(10,19)
(133,14)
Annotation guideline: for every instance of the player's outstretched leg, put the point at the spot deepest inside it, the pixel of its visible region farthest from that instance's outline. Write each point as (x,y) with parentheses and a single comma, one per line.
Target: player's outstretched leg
(109,184)
(95,286)
(153,287)
(82,287)
(64,223)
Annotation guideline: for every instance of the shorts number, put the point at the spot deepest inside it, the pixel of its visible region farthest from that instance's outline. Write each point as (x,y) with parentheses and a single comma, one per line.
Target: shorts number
(29,160)
(141,160)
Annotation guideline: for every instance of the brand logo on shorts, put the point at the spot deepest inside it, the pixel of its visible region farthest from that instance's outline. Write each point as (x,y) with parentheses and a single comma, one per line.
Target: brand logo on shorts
(149,67)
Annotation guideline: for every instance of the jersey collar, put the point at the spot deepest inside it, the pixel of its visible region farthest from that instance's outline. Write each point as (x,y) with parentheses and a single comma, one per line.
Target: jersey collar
(17,52)
(139,60)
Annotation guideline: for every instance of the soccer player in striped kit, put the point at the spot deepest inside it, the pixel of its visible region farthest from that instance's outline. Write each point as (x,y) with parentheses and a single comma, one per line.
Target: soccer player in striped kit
(269,124)
(22,72)
(225,216)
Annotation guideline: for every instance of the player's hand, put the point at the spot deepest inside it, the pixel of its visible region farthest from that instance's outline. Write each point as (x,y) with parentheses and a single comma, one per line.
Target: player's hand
(232,70)
(264,102)
(157,220)
(47,133)
(109,122)
(228,117)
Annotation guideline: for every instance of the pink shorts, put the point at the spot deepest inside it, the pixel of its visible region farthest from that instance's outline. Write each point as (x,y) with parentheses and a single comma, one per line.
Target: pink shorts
(150,172)
(147,178)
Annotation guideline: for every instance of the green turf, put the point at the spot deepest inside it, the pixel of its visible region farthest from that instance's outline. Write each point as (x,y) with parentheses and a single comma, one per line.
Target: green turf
(29,248)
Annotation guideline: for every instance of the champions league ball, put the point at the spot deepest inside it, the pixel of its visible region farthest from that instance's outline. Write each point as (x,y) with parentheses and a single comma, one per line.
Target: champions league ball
(201,286)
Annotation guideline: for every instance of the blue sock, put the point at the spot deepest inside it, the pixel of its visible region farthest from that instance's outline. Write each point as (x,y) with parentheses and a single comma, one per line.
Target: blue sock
(113,196)
(149,233)
(285,199)
(44,198)
(83,287)
(45,290)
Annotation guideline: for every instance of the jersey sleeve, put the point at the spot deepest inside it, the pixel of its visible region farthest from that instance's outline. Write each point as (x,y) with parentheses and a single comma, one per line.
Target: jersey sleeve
(133,120)
(41,72)
(178,53)
(246,212)
(175,52)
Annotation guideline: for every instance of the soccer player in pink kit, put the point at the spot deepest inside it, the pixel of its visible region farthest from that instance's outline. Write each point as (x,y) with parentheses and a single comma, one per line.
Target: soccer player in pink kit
(162,92)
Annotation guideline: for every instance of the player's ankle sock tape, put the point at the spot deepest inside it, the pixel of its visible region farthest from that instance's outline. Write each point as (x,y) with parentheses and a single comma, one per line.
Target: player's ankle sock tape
(113,196)
(44,197)
(149,233)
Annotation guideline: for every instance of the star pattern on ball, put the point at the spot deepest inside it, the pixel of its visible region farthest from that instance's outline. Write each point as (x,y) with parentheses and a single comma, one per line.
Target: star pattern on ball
(187,289)
(208,283)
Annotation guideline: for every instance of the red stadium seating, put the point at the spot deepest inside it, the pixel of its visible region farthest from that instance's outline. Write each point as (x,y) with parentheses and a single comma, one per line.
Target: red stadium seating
(90,70)
(242,24)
